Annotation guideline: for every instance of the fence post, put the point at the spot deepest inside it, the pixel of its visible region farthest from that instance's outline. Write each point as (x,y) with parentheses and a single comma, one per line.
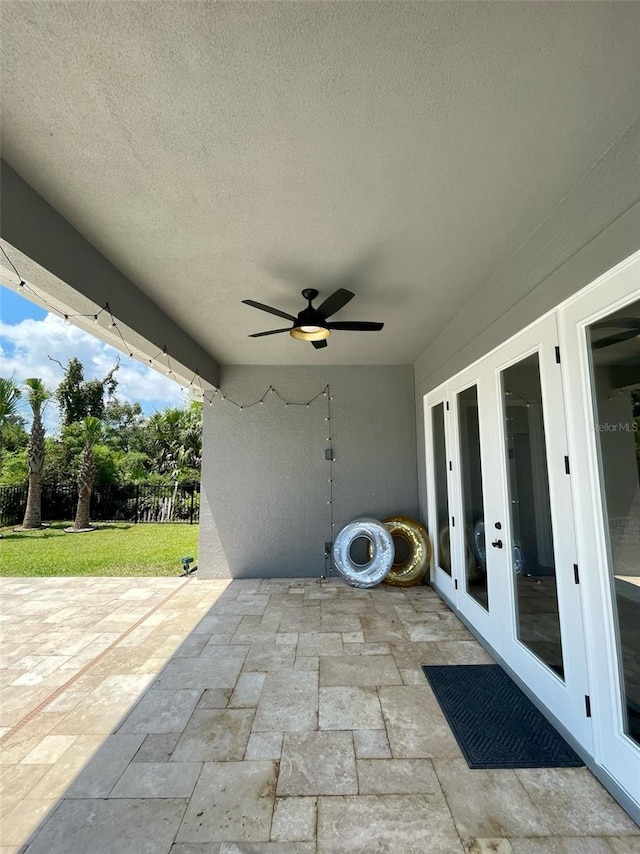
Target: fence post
(137,501)
(191,510)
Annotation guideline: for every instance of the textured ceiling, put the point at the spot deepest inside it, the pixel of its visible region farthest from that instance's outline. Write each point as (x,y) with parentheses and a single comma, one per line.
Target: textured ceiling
(217,152)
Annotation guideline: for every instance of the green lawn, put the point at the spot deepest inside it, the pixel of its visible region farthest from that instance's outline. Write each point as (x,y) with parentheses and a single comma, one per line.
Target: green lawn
(115,549)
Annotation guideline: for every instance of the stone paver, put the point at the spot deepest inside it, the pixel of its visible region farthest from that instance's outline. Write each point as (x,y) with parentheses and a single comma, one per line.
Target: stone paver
(233,801)
(275,716)
(402,824)
(318,763)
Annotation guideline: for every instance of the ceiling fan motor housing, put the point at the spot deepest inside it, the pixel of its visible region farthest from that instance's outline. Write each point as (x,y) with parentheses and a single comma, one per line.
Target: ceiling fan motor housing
(310,324)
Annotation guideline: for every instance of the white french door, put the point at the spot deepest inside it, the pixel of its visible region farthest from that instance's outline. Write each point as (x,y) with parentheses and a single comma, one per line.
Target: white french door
(542,624)
(600,330)
(436,420)
(502,453)
(475,504)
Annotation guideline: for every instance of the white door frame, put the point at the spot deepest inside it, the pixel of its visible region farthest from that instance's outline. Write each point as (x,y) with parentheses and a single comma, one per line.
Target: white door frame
(565,698)
(613,749)
(483,621)
(592,656)
(441,580)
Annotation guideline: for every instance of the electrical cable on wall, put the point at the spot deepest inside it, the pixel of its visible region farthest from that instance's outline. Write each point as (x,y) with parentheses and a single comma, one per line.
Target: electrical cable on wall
(220,395)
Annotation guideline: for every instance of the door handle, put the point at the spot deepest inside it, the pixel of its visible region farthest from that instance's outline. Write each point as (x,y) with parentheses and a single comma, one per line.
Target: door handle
(497,544)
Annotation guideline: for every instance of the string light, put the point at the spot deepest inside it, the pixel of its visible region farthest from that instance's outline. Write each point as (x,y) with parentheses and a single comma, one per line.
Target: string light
(329,457)
(326,392)
(95,316)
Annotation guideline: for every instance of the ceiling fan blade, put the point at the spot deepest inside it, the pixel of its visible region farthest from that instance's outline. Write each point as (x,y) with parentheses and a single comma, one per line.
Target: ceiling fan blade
(619,322)
(356,326)
(335,302)
(270,332)
(320,344)
(614,339)
(268,308)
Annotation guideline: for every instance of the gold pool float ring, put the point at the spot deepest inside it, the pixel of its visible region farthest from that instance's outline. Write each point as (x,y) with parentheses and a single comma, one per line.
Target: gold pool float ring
(412,570)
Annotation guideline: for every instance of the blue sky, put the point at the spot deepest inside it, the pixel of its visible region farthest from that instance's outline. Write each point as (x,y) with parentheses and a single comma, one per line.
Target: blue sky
(29,334)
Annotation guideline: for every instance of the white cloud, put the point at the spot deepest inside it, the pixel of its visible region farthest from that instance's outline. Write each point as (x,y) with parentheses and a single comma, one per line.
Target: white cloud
(24,351)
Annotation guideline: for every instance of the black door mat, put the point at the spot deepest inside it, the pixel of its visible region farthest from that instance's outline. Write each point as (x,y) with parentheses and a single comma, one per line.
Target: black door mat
(494,722)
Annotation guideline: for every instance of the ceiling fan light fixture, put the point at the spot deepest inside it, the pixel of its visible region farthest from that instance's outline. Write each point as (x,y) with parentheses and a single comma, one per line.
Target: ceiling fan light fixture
(307,332)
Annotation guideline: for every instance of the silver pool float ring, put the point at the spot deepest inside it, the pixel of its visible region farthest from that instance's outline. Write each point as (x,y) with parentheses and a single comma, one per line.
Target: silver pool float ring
(480,549)
(381,552)
(479,543)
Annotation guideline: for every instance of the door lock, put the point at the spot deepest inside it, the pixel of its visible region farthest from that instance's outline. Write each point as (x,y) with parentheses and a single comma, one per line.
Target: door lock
(497,544)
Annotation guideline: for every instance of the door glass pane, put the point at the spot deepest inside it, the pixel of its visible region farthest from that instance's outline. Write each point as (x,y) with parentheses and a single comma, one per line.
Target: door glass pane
(532,559)
(441,541)
(615,383)
(472,498)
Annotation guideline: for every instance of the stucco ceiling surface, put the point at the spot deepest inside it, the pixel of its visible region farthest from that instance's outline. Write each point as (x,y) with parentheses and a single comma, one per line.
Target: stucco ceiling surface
(216,152)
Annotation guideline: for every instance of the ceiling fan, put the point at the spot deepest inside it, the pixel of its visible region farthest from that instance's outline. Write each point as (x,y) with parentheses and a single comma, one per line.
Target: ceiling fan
(631,325)
(311,324)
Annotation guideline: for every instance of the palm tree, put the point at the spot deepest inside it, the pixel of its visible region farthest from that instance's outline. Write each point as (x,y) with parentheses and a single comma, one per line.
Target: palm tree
(37,396)
(91,435)
(177,445)
(9,396)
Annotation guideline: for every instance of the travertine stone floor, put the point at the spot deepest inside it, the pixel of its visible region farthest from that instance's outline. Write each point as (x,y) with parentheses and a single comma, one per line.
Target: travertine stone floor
(285,716)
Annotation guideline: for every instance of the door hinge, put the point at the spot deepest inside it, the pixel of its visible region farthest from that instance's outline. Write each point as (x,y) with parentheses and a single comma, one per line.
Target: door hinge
(566,465)
(447,402)
(453,521)
(450,466)
(455,583)
(587,705)
(558,355)
(575,573)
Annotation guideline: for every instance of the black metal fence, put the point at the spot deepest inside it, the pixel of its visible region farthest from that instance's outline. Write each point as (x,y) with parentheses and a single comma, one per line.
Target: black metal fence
(108,504)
